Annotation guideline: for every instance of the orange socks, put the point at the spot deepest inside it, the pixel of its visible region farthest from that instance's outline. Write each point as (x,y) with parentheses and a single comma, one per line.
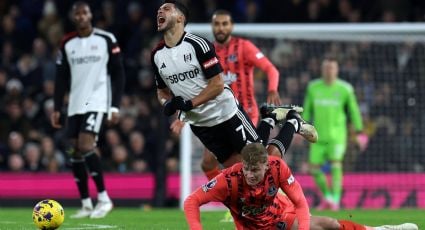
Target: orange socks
(349,225)
(212,173)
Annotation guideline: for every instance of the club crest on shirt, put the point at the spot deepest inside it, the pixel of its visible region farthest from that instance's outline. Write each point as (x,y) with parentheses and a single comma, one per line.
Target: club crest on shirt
(281,225)
(232,58)
(187,57)
(272,191)
(208,186)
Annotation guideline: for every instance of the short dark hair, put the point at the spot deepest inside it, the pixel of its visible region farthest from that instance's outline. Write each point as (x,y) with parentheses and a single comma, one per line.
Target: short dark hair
(181,7)
(223,12)
(80,3)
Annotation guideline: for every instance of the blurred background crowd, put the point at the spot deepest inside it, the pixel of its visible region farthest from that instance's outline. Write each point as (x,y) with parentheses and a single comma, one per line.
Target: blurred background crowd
(384,75)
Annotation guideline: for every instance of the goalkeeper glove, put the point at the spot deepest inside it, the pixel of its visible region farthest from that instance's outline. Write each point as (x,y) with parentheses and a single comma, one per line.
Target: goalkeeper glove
(182,104)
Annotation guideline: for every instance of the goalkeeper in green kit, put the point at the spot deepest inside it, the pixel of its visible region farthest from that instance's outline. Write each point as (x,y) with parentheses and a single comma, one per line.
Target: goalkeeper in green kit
(328,103)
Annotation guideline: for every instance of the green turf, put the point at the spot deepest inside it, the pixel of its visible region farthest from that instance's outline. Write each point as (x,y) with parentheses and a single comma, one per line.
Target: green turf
(127,218)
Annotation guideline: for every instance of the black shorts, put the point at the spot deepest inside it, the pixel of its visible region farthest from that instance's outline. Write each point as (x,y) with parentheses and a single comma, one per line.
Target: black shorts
(90,122)
(228,137)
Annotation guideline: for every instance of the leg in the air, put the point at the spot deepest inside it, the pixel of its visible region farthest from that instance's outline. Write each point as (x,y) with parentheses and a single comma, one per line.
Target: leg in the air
(282,141)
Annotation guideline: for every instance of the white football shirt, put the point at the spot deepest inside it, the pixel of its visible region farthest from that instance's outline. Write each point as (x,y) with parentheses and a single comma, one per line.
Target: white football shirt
(185,70)
(86,59)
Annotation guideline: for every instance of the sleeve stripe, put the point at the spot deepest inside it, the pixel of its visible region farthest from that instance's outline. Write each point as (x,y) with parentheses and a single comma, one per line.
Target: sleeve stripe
(200,41)
(109,35)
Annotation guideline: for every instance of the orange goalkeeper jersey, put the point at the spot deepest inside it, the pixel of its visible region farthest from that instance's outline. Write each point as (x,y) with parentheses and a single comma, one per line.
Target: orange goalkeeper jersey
(259,207)
(238,59)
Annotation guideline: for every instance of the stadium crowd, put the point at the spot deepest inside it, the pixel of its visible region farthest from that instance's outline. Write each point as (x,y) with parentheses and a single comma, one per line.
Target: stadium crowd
(384,75)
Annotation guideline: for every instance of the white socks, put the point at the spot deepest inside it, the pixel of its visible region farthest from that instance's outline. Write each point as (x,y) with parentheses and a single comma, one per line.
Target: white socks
(103,196)
(87,203)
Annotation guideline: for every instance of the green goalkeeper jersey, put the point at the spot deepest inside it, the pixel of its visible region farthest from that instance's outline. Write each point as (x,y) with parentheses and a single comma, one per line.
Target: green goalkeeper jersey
(327,106)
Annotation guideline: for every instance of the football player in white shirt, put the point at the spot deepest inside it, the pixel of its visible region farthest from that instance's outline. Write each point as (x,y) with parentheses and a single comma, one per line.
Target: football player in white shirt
(188,78)
(89,66)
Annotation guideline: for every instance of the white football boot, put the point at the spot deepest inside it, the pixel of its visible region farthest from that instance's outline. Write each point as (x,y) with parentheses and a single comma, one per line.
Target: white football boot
(82,213)
(102,209)
(405,226)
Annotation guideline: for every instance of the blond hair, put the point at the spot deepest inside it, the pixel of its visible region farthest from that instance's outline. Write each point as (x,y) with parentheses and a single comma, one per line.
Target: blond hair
(254,153)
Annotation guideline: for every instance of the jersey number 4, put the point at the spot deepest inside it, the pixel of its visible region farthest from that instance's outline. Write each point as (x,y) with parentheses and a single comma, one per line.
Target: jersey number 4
(91,121)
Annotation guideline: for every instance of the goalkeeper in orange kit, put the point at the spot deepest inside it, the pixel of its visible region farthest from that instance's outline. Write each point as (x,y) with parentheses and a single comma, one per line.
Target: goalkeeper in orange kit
(250,190)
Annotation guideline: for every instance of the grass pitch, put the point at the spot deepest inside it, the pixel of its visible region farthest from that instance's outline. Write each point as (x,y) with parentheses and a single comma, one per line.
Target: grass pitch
(162,219)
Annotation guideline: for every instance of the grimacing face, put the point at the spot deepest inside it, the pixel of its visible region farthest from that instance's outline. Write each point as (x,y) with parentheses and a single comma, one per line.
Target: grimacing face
(166,17)
(82,16)
(254,174)
(222,27)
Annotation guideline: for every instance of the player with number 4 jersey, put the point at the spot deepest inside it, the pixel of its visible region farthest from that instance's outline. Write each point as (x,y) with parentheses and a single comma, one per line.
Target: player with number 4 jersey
(89,67)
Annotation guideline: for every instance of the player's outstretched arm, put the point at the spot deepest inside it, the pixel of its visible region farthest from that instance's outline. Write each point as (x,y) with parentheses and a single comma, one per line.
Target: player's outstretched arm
(214,190)
(257,58)
(293,190)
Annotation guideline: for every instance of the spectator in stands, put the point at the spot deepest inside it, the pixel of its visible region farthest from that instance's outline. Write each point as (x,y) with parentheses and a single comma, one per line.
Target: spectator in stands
(16,163)
(3,81)
(52,159)
(14,120)
(142,158)
(120,160)
(32,156)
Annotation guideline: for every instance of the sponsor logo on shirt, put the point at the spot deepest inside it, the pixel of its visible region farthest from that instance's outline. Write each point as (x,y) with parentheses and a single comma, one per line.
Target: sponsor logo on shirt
(183,76)
(291,179)
(210,62)
(208,186)
(253,210)
(85,60)
(163,66)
